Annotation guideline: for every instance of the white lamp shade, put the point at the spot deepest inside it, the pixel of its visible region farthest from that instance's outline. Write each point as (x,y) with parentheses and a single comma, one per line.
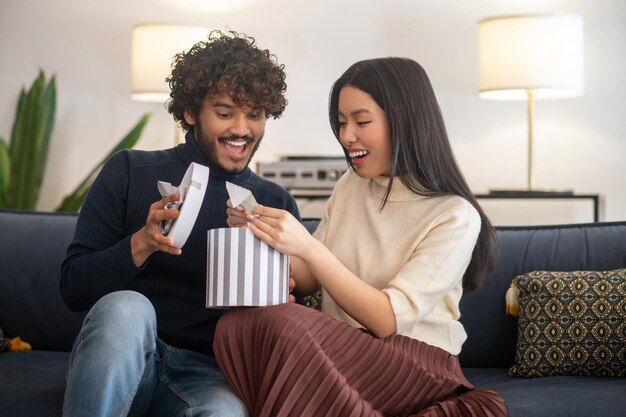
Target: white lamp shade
(152,49)
(541,53)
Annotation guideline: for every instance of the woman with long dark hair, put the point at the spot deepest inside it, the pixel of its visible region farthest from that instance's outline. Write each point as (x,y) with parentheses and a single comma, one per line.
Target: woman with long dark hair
(401,239)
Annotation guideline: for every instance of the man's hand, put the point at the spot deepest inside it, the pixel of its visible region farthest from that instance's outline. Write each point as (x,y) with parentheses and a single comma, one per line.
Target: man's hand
(149,238)
(236,216)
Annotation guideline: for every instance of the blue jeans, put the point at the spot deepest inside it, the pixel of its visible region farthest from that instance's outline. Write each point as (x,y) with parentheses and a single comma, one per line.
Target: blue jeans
(119,367)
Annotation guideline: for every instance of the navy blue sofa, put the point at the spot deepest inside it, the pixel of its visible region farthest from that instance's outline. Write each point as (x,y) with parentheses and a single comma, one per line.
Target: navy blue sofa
(32,247)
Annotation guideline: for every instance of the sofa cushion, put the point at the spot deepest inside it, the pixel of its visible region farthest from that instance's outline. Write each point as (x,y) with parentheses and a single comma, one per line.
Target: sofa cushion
(32,383)
(571,323)
(557,396)
(32,248)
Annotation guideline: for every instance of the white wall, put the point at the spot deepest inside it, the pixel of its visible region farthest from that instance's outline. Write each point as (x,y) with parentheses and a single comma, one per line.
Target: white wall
(580,143)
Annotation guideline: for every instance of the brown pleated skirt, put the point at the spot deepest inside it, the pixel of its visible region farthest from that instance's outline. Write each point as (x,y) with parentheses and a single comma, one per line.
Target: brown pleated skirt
(291,360)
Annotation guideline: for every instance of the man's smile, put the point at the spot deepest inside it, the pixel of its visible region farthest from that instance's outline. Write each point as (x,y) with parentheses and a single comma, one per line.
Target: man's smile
(236,148)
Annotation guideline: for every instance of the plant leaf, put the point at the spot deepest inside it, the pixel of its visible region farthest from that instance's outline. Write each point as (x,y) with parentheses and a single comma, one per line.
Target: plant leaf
(16,150)
(30,136)
(23,147)
(43,135)
(74,200)
(5,171)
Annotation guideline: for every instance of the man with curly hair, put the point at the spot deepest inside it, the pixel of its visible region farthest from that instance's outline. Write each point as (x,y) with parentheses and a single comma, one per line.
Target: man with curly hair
(146,345)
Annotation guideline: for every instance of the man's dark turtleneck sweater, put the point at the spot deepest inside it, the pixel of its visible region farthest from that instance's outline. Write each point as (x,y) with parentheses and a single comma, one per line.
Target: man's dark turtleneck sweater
(99,258)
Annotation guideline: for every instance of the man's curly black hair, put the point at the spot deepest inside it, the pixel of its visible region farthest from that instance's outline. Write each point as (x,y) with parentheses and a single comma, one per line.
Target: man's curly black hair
(228,63)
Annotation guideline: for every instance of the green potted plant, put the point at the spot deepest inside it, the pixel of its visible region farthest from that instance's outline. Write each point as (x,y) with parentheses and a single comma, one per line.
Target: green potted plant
(23,159)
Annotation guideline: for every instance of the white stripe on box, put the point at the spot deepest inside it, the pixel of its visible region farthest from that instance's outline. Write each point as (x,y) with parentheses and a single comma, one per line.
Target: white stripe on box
(234,246)
(280,272)
(241,268)
(249,277)
(271,280)
(256,282)
(273,274)
(220,267)
(263,295)
(209,286)
(277,281)
(214,269)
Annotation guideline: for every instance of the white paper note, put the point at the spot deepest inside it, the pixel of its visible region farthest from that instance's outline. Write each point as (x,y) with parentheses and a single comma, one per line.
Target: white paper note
(240,196)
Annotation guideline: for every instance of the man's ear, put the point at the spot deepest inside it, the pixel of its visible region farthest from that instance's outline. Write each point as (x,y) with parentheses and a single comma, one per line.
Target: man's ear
(189,117)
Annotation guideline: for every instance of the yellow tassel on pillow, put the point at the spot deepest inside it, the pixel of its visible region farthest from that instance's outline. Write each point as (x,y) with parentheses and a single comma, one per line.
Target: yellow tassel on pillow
(16,344)
(512,299)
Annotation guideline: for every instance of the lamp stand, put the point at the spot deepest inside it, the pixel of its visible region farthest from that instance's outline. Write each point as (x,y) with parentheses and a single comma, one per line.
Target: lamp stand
(531,114)
(530,185)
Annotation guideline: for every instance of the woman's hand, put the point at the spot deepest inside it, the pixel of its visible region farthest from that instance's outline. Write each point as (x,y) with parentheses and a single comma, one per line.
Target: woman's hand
(292,284)
(236,215)
(366,304)
(279,229)
(149,238)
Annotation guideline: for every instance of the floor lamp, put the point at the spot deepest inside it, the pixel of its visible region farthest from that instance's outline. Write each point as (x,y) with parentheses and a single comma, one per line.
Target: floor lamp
(530,57)
(152,48)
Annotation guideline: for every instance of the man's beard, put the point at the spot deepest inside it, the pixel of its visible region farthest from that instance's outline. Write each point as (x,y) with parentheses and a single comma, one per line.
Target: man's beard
(209,148)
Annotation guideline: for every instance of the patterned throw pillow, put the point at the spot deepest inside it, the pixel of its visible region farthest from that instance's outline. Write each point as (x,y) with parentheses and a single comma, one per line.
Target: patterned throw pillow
(571,323)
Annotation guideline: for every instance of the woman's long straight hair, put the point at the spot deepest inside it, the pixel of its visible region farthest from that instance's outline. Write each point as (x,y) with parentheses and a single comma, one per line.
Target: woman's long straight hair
(421,155)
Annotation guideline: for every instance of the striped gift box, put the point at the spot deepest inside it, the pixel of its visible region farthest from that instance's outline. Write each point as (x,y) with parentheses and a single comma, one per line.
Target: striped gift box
(244,271)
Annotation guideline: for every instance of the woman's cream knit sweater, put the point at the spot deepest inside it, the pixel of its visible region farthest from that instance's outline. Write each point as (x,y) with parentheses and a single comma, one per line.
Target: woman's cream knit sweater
(415,250)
